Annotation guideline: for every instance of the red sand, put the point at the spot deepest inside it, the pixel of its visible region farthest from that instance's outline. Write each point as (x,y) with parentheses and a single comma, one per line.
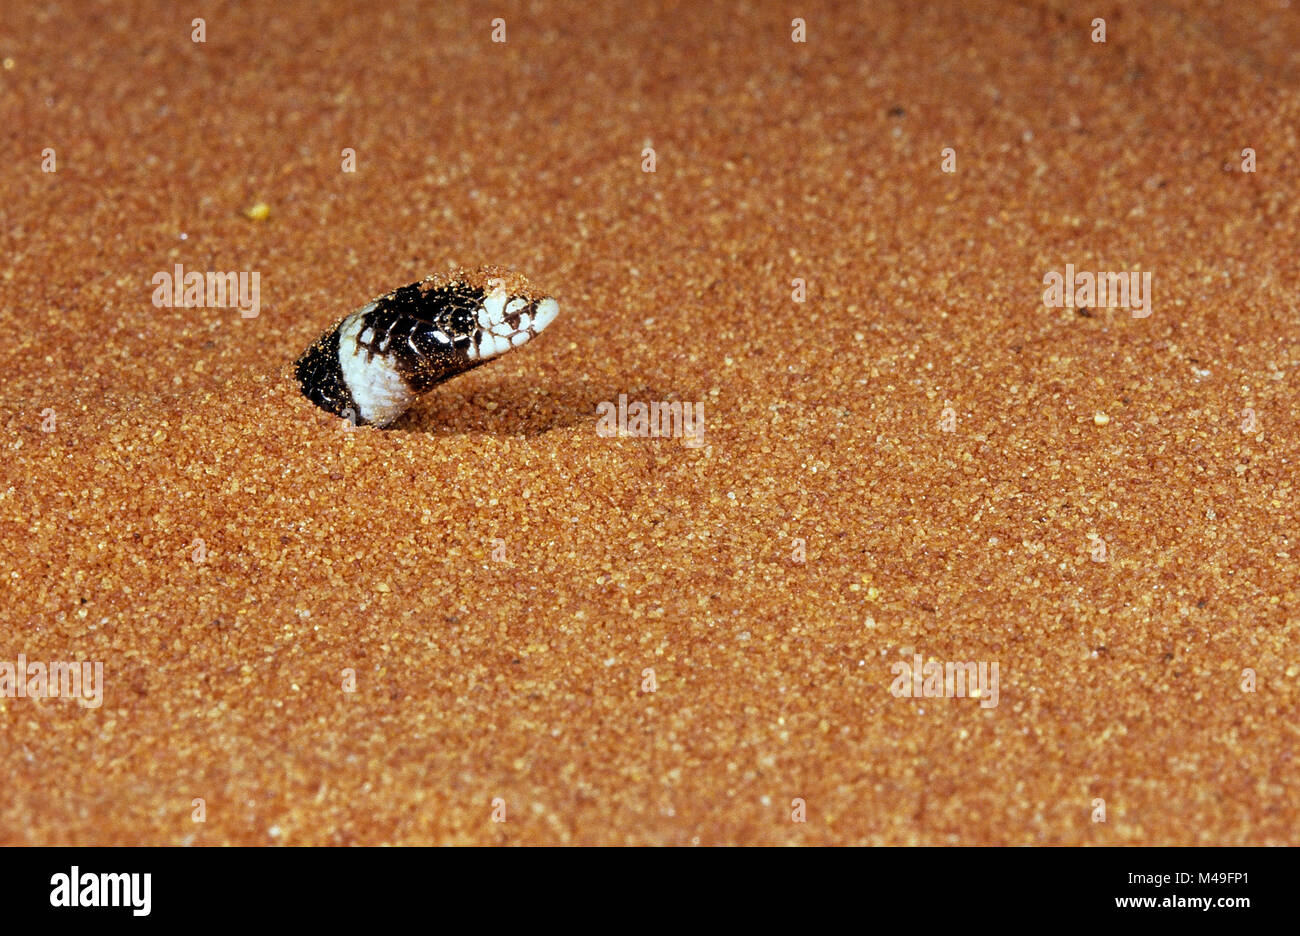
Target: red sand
(371,551)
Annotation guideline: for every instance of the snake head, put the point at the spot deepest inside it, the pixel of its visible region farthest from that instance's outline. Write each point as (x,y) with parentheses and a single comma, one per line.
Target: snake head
(374,362)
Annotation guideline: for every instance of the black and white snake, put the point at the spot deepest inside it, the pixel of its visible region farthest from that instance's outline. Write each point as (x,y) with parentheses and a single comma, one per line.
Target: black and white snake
(372,365)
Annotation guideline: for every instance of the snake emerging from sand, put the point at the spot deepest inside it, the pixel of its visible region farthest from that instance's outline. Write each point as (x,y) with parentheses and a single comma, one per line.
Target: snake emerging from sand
(375,362)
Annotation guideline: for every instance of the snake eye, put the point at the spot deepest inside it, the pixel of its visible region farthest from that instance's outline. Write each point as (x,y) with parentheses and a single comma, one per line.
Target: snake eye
(462,321)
